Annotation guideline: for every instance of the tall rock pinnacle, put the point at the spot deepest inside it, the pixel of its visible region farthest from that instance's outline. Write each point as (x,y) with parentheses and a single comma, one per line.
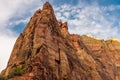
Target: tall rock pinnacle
(46,51)
(47,6)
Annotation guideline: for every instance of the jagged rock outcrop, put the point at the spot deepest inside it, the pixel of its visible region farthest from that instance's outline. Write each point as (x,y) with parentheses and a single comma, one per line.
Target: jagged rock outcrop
(46,51)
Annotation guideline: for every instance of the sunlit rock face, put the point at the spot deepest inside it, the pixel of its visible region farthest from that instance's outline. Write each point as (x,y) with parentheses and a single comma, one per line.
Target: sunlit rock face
(46,51)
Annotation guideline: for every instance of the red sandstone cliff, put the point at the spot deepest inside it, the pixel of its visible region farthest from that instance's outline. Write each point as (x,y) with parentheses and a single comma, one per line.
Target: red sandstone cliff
(46,51)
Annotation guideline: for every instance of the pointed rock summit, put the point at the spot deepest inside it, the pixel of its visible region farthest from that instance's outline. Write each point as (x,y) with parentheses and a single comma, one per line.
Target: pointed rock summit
(46,51)
(47,6)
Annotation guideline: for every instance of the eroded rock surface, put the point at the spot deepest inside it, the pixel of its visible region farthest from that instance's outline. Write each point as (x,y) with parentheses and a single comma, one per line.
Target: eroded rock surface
(46,51)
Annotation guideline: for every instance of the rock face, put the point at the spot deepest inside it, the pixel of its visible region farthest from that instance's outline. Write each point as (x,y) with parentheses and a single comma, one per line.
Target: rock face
(46,51)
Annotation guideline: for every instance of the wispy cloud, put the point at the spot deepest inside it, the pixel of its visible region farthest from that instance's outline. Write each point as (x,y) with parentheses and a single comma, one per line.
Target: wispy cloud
(6,43)
(15,11)
(90,19)
(112,7)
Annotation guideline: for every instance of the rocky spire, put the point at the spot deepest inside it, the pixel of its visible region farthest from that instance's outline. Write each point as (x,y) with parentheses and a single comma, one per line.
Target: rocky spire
(47,6)
(41,29)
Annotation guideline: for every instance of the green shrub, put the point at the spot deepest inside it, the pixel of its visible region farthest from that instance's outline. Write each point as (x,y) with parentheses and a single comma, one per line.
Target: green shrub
(2,77)
(16,72)
(25,66)
(10,75)
(41,78)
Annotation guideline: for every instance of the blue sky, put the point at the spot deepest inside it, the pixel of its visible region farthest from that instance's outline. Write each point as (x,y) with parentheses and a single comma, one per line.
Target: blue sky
(99,18)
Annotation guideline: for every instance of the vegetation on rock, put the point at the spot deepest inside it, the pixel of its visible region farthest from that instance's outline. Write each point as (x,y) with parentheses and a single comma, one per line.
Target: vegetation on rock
(16,72)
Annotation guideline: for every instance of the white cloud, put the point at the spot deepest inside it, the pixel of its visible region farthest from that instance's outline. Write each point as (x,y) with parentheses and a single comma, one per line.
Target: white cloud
(112,7)
(67,14)
(89,19)
(5,49)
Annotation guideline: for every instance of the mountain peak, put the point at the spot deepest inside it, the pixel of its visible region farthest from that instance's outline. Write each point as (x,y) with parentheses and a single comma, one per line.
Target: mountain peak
(47,5)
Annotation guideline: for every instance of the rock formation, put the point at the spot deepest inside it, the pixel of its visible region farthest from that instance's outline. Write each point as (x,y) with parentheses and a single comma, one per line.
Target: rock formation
(46,51)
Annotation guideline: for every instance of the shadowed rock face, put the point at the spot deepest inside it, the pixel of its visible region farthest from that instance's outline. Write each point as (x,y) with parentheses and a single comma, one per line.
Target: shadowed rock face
(46,51)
